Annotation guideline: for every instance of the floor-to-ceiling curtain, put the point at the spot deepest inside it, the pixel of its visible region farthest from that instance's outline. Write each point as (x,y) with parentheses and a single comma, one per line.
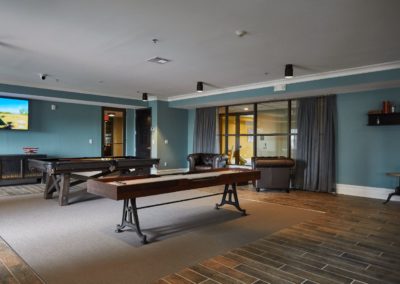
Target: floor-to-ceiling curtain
(205,130)
(316,158)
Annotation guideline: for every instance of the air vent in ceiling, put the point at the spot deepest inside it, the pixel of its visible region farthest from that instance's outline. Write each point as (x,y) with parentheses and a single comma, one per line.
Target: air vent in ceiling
(159,60)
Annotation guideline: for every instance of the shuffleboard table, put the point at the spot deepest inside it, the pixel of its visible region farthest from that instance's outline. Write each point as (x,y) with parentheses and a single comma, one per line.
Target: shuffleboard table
(130,188)
(59,171)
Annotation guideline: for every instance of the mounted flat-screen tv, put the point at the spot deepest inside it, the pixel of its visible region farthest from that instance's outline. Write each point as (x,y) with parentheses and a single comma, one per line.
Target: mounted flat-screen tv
(14,114)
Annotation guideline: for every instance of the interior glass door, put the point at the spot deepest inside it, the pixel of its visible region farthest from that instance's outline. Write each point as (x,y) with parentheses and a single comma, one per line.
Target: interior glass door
(241,134)
(113,121)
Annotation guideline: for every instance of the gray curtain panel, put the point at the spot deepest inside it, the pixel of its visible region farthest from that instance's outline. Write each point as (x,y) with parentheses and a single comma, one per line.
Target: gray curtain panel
(205,130)
(316,153)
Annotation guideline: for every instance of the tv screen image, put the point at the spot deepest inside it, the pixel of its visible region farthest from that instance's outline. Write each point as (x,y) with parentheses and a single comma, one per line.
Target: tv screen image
(14,114)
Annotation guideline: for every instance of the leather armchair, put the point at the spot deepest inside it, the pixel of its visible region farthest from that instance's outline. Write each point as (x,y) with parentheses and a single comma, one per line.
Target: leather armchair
(206,161)
(275,172)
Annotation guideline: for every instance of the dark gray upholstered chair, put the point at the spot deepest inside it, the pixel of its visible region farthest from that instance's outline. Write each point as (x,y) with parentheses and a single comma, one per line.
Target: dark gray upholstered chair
(275,172)
(206,161)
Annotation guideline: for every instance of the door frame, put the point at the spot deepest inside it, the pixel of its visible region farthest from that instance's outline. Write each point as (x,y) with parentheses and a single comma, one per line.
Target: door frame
(103,110)
(150,130)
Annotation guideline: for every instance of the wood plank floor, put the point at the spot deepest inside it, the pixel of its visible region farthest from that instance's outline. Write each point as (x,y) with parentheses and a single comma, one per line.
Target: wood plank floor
(355,241)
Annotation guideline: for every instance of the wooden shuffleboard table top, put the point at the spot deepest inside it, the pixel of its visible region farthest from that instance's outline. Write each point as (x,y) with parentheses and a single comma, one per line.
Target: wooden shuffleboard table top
(119,188)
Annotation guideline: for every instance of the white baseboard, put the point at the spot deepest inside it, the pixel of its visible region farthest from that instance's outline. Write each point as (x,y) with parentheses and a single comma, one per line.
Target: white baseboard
(346,189)
(365,191)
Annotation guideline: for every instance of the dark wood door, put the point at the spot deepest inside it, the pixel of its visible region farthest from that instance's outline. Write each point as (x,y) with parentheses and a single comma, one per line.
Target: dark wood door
(143,133)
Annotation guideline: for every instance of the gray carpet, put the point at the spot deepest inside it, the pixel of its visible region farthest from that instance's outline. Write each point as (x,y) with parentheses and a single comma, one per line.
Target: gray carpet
(77,243)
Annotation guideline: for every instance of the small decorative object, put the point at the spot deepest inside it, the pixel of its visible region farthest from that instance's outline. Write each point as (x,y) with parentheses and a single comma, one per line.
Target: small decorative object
(393,108)
(385,106)
(30,150)
(378,121)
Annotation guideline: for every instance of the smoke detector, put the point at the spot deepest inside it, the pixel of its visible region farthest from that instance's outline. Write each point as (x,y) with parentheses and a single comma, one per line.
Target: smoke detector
(240,33)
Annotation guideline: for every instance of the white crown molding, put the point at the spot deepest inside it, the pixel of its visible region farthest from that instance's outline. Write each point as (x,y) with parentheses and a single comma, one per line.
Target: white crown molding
(365,191)
(70,90)
(71,101)
(295,95)
(300,79)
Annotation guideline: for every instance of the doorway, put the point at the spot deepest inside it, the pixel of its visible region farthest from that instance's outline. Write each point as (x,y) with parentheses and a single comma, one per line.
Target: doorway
(237,133)
(113,132)
(143,133)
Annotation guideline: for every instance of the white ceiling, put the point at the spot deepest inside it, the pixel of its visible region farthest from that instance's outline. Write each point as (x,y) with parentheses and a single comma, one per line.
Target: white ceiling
(101,46)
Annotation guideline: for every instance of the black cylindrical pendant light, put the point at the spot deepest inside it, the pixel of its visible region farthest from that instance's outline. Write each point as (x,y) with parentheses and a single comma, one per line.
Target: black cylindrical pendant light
(144,97)
(199,87)
(289,71)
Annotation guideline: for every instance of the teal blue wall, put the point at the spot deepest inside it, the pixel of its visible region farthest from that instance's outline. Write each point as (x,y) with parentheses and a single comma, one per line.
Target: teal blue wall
(130,132)
(191,117)
(64,132)
(169,124)
(367,153)
(364,153)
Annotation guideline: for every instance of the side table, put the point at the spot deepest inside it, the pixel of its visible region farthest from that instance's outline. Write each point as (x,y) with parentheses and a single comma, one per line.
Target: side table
(396,190)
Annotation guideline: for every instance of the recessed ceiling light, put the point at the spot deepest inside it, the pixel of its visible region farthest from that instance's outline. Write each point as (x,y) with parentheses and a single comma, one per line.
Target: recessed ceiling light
(246,108)
(159,60)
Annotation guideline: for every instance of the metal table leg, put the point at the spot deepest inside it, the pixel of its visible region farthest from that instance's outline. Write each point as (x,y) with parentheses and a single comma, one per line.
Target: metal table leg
(396,192)
(130,219)
(235,201)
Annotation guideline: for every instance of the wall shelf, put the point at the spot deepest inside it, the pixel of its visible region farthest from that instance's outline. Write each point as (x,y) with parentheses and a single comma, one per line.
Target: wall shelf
(384,119)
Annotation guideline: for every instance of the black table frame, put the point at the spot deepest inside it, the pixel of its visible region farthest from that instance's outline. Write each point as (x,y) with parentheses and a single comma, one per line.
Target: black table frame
(130,217)
(396,191)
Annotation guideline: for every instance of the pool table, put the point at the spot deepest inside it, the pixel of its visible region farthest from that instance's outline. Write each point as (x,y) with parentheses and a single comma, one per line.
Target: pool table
(58,172)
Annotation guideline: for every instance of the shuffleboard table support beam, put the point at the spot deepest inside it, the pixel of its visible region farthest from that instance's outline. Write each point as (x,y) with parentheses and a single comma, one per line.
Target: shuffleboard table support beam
(130,217)
(231,192)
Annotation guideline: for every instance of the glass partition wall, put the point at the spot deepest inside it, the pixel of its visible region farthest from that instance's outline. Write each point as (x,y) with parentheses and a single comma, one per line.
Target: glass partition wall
(260,129)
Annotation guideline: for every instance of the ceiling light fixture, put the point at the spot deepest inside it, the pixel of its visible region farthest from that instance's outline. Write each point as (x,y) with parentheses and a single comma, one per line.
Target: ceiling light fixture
(199,87)
(288,71)
(111,114)
(144,97)
(159,60)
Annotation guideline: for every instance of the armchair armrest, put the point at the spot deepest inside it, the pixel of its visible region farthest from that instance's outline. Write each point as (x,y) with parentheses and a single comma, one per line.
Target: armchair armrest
(220,161)
(192,159)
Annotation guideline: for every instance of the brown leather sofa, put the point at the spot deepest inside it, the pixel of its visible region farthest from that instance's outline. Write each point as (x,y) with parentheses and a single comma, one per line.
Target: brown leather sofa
(275,172)
(206,161)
